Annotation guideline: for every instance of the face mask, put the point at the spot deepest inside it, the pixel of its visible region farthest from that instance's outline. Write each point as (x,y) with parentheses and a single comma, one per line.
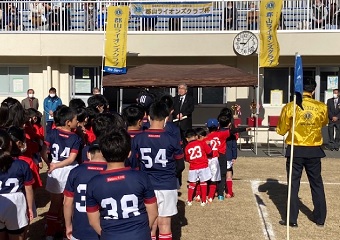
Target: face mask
(13,13)
(252,9)
(52,95)
(91,8)
(335,95)
(30,95)
(230,7)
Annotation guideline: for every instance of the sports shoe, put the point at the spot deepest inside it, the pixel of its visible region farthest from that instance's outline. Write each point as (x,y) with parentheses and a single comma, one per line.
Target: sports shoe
(210,200)
(229,195)
(198,198)
(203,204)
(220,198)
(189,203)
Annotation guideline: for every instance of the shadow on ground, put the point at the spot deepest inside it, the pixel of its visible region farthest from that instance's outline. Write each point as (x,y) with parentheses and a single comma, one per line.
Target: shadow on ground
(178,221)
(277,193)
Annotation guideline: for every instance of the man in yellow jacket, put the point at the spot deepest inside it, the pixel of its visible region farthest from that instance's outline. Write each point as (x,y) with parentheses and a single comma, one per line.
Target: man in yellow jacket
(307,150)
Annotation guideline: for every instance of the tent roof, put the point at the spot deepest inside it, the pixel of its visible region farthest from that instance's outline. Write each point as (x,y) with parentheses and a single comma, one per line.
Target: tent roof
(159,75)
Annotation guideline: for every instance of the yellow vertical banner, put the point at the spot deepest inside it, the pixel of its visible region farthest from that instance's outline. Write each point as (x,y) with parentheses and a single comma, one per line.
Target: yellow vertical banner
(270,11)
(116,39)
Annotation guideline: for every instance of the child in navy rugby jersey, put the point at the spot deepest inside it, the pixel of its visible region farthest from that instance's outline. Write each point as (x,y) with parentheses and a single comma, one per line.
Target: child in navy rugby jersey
(76,221)
(15,178)
(120,202)
(161,157)
(63,146)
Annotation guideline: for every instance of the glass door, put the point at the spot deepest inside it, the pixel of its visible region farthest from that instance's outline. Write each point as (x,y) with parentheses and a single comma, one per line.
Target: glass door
(83,80)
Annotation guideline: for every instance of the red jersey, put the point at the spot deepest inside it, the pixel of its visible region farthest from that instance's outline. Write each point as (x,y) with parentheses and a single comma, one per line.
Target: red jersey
(196,154)
(218,141)
(39,130)
(34,169)
(90,137)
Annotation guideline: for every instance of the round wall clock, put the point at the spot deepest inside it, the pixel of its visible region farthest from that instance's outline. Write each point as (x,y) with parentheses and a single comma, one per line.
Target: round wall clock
(245,43)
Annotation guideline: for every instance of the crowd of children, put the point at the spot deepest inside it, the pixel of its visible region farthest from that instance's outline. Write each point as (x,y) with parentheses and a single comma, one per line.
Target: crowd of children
(109,176)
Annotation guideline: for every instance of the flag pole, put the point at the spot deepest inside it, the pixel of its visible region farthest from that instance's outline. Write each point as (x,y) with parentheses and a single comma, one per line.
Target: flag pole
(291,163)
(103,58)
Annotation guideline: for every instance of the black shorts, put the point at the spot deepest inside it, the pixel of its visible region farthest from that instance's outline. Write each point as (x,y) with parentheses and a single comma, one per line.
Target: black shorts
(13,232)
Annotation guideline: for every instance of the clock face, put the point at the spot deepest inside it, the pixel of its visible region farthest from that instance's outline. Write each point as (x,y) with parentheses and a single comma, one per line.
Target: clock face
(245,43)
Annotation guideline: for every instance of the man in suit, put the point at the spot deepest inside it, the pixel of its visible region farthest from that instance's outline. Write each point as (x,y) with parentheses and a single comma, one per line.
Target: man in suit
(333,105)
(30,101)
(183,108)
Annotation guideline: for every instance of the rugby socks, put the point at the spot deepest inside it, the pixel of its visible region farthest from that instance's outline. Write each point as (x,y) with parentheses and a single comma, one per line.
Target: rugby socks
(167,236)
(191,190)
(230,186)
(198,190)
(212,190)
(153,238)
(52,224)
(203,191)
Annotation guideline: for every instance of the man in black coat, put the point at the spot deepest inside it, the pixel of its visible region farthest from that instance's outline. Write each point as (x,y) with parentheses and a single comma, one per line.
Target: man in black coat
(333,105)
(183,108)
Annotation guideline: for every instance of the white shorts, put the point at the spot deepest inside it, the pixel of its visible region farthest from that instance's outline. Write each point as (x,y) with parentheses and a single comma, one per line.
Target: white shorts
(56,181)
(229,164)
(167,202)
(203,175)
(13,211)
(215,169)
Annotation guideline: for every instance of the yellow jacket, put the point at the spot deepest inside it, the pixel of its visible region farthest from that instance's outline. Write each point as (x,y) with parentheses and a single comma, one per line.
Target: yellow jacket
(308,122)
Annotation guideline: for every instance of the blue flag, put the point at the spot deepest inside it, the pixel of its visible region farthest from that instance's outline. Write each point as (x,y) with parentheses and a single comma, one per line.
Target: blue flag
(298,80)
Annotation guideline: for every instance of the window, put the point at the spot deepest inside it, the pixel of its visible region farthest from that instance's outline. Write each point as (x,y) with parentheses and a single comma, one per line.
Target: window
(276,79)
(212,95)
(14,80)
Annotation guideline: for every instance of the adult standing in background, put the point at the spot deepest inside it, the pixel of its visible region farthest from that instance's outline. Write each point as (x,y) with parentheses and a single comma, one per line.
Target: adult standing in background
(183,108)
(307,151)
(95,91)
(50,105)
(30,101)
(333,105)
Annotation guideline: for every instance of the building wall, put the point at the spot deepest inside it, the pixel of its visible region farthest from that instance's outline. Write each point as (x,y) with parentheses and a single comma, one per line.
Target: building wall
(165,44)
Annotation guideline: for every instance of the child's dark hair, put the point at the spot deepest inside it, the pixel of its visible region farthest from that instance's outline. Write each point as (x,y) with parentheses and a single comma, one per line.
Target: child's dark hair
(16,134)
(81,114)
(190,133)
(115,146)
(158,111)
(107,122)
(63,114)
(201,132)
(96,101)
(167,99)
(6,159)
(94,148)
(223,120)
(31,113)
(76,103)
(227,111)
(12,113)
(132,114)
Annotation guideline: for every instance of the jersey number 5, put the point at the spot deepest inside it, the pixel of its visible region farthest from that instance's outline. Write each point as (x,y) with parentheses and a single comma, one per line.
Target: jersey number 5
(147,160)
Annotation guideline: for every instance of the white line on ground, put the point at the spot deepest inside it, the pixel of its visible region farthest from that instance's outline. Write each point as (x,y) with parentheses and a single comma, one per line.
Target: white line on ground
(262,210)
(282,182)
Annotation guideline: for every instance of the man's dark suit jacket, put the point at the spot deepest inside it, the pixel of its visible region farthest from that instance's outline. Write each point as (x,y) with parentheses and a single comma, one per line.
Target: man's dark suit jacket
(333,111)
(186,110)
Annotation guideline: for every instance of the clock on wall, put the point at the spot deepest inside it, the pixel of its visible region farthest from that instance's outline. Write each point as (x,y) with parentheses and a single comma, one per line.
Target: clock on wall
(245,43)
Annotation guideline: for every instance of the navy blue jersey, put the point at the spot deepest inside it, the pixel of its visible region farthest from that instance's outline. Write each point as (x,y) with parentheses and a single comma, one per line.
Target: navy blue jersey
(17,176)
(157,150)
(120,196)
(76,186)
(170,127)
(84,153)
(61,143)
(132,161)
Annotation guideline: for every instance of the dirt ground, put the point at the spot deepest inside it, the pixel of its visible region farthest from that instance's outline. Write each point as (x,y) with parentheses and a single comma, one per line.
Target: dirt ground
(254,212)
